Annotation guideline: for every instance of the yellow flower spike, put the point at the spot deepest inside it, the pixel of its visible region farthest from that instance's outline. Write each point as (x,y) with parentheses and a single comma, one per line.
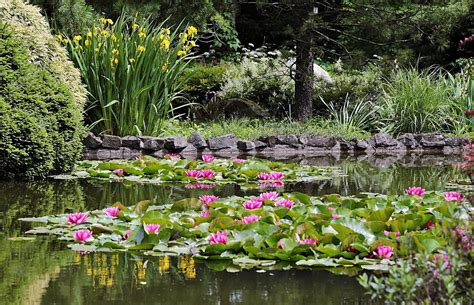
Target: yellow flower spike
(167,31)
(165,44)
(104,33)
(109,21)
(59,37)
(164,68)
(103,20)
(87,42)
(89,34)
(140,48)
(134,26)
(115,51)
(114,60)
(97,50)
(114,38)
(131,59)
(181,53)
(142,34)
(193,43)
(79,47)
(192,30)
(77,38)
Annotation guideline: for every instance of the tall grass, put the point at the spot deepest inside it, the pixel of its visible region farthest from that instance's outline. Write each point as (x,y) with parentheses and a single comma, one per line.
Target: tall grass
(132,70)
(358,115)
(418,102)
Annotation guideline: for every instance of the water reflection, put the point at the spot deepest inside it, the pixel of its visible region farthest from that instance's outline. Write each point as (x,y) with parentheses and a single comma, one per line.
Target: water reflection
(43,271)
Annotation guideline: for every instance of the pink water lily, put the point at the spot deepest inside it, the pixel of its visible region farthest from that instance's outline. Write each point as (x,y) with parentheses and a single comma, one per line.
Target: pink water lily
(193,173)
(151,228)
(239,161)
(286,203)
(453,196)
(269,195)
(207,174)
(336,216)
(252,204)
(112,211)
(277,176)
(383,252)
(308,241)
(415,190)
(119,172)
(330,209)
(218,238)
(208,158)
(205,214)
(250,218)
(387,233)
(206,199)
(76,218)
(281,244)
(83,236)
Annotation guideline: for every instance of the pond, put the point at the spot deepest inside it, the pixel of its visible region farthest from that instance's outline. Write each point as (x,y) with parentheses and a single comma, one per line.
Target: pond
(44,271)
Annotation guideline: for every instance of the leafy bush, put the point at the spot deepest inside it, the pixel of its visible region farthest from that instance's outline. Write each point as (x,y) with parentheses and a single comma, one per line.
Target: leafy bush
(46,53)
(68,16)
(422,278)
(201,78)
(418,102)
(348,84)
(40,123)
(132,71)
(264,78)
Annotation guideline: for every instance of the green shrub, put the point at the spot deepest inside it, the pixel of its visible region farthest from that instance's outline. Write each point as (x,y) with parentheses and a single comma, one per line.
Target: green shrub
(133,71)
(423,278)
(40,123)
(46,52)
(418,102)
(348,84)
(68,16)
(263,79)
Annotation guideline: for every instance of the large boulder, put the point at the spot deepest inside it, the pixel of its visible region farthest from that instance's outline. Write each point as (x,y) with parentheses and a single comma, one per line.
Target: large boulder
(92,141)
(113,142)
(152,143)
(321,141)
(383,140)
(175,143)
(197,140)
(432,140)
(221,142)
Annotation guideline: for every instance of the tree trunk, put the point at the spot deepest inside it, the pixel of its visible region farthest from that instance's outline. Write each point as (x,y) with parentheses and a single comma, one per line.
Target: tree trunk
(304,76)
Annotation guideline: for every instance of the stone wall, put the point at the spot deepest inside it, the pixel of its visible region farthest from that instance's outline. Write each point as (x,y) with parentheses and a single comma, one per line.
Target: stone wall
(277,147)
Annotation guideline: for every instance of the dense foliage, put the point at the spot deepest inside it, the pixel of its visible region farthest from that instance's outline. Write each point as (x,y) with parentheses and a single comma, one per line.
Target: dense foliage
(132,70)
(40,124)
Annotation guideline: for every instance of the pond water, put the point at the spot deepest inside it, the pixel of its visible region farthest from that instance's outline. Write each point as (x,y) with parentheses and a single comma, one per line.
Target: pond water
(44,271)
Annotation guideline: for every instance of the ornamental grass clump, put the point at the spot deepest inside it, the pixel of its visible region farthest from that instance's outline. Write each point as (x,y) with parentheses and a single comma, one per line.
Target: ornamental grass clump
(132,69)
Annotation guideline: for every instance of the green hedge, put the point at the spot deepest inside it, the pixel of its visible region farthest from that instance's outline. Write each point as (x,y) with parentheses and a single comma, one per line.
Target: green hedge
(40,121)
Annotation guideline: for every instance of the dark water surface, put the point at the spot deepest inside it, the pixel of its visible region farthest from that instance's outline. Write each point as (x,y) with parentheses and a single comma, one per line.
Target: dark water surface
(44,271)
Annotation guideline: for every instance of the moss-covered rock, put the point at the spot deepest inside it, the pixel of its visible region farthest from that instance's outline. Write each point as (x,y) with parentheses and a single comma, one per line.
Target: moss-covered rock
(40,120)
